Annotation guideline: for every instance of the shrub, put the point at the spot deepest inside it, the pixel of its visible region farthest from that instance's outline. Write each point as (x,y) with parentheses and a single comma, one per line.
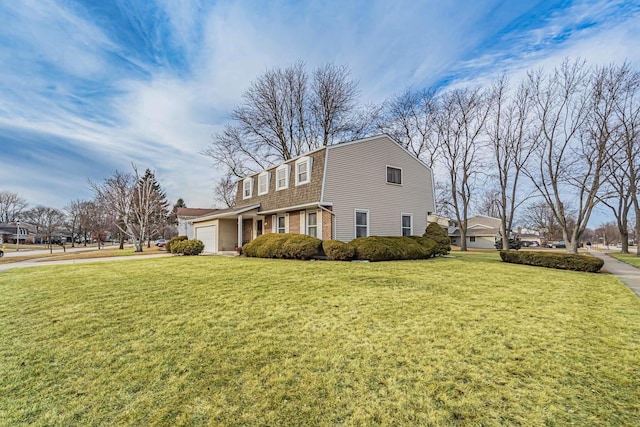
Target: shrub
(551,260)
(283,245)
(188,247)
(379,248)
(440,237)
(173,241)
(337,250)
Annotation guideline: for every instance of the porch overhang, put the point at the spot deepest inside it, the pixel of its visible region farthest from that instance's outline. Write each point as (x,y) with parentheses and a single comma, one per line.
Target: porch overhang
(227,214)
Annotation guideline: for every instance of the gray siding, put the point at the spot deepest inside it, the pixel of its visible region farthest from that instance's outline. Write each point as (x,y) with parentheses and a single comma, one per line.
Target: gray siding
(356,178)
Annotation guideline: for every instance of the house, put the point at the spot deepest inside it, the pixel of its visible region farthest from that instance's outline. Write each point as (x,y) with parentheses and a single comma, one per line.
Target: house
(8,233)
(185,215)
(361,188)
(481,232)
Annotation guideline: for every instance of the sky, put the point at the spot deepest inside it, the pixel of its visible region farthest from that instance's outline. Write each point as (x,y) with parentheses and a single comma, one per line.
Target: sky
(91,87)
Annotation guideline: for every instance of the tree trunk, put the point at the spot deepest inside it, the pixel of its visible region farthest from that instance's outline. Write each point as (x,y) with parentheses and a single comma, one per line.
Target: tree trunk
(121,241)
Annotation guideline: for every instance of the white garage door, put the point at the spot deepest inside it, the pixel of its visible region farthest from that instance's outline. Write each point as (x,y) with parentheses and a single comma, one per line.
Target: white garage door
(209,236)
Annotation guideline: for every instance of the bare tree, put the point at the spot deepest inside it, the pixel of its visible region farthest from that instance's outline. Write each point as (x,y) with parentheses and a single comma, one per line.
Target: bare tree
(333,102)
(74,219)
(48,221)
(627,158)
(488,203)
(117,192)
(459,126)
(511,146)
(573,108)
(134,201)
(225,191)
(411,119)
(539,216)
(284,114)
(12,205)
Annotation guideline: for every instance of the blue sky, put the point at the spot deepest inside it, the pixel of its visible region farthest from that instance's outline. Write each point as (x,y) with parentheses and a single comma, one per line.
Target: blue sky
(88,87)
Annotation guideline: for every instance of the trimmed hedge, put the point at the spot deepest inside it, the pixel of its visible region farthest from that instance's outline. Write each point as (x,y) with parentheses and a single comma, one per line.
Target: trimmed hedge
(379,248)
(337,250)
(173,241)
(440,237)
(552,260)
(283,245)
(187,247)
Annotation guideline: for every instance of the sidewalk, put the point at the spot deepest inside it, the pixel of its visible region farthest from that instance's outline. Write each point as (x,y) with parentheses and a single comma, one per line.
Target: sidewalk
(41,261)
(628,274)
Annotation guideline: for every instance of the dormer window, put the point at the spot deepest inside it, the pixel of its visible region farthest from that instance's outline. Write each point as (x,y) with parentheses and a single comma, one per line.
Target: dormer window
(303,170)
(394,175)
(247,188)
(263,183)
(282,177)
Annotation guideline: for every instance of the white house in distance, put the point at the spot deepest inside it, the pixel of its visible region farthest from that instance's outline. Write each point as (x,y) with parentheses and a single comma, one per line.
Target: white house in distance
(366,187)
(481,232)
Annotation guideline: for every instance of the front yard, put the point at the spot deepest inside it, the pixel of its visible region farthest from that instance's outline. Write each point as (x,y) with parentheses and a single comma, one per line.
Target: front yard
(238,341)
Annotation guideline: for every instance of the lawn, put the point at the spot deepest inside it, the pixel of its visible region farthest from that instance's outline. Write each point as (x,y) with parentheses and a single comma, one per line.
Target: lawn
(628,258)
(237,341)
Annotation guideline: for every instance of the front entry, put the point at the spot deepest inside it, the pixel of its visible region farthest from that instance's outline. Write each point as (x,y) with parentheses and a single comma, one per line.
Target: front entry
(258,227)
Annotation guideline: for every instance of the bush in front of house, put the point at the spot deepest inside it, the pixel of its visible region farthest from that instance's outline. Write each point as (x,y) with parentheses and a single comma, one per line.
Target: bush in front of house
(337,250)
(187,247)
(440,237)
(387,248)
(283,245)
(554,260)
(173,241)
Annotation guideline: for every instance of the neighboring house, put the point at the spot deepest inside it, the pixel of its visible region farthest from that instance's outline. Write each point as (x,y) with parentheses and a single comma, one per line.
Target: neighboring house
(530,237)
(447,224)
(481,232)
(8,233)
(185,215)
(367,187)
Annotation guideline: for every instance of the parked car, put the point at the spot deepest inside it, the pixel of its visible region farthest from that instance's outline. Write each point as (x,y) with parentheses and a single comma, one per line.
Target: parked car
(559,245)
(161,242)
(513,244)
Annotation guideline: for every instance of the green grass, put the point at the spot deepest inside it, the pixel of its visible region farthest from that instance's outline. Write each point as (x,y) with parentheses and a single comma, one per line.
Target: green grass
(237,341)
(632,259)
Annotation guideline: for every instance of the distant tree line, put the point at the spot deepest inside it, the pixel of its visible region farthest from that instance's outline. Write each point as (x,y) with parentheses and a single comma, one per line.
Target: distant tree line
(126,206)
(547,149)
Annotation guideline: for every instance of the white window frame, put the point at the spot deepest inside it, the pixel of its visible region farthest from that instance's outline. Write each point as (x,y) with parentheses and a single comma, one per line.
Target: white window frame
(285,169)
(387,175)
(263,176)
(284,222)
(355,221)
(301,161)
(410,215)
(246,181)
(308,223)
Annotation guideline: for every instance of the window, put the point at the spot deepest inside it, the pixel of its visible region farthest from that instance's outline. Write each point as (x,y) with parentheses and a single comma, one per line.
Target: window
(263,183)
(394,175)
(281,224)
(282,177)
(472,238)
(407,224)
(303,170)
(247,188)
(312,224)
(362,223)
